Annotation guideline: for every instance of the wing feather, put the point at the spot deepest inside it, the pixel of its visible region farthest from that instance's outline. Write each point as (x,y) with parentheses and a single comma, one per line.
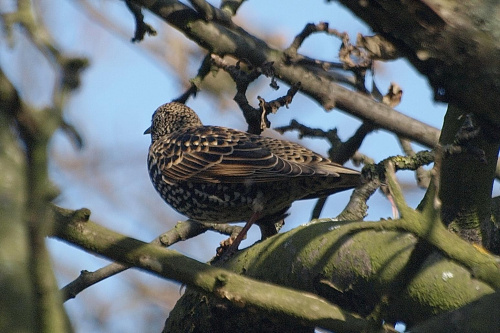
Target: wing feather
(217,154)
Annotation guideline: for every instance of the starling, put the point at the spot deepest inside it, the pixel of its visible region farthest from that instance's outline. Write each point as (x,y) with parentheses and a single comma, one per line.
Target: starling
(222,175)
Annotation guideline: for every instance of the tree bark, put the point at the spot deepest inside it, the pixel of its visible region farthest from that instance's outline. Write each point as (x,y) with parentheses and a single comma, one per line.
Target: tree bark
(17,294)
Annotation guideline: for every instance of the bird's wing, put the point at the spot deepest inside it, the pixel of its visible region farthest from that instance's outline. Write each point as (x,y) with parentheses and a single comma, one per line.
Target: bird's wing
(294,152)
(217,154)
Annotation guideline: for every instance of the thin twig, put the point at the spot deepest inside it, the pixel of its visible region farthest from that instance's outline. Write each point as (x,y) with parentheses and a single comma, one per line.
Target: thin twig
(308,30)
(141,28)
(193,89)
(256,118)
(353,58)
(340,152)
(423,176)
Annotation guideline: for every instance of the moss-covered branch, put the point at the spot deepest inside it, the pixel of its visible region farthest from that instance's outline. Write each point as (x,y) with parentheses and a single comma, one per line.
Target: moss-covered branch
(183,230)
(356,265)
(74,227)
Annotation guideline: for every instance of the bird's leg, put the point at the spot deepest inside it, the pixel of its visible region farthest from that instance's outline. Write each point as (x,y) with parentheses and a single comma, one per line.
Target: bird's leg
(243,232)
(241,235)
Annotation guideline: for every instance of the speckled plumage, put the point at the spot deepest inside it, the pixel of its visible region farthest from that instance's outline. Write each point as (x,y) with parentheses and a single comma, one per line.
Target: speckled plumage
(221,175)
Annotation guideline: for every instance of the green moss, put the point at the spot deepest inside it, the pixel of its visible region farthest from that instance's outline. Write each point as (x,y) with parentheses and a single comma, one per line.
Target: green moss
(441,285)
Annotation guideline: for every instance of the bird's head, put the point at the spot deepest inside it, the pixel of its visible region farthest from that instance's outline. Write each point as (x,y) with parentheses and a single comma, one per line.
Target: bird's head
(171,117)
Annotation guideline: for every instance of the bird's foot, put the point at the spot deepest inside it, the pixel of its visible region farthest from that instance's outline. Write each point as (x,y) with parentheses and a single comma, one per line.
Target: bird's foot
(228,247)
(225,246)
(225,250)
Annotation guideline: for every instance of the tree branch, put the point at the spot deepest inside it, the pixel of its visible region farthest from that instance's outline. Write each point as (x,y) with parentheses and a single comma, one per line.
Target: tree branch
(452,43)
(35,130)
(141,28)
(317,84)
(182,231)
(74,227)
(381,247)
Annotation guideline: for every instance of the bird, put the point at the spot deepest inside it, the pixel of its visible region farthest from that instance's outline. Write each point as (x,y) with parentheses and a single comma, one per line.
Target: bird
(222,175)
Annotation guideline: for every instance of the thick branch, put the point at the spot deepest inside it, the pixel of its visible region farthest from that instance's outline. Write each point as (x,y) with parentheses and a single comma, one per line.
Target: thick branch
(454,43)
(467,179)
(373,255)
(238,290)
(474,317)
(182,231)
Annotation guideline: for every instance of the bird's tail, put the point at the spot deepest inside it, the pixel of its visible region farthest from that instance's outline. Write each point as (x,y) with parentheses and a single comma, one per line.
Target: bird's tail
(331,185)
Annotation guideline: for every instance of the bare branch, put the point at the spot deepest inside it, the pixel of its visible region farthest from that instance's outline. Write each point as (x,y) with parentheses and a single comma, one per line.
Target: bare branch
(318,85)
(210,13)
(203,71)
(340,152)
(357,209)
(141,28)
(256,118)
(182,231)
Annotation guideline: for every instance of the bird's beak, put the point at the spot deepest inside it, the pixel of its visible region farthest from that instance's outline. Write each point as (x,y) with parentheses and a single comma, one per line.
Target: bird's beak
(148,131)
